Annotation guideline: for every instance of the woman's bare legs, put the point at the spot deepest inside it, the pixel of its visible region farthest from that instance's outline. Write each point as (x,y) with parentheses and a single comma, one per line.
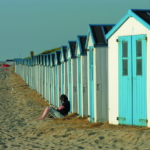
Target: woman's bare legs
(45,113)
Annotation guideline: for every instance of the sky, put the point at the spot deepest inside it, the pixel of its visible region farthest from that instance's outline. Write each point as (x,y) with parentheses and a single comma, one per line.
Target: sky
(39,25)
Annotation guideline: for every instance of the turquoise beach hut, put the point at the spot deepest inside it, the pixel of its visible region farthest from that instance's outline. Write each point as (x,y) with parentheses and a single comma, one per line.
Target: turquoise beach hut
(129,71)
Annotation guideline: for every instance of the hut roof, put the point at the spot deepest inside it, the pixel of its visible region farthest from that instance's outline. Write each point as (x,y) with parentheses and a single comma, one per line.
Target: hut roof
(72,48)
(57,57)
(63,55)
(141,15)
(98,33)
(81,40)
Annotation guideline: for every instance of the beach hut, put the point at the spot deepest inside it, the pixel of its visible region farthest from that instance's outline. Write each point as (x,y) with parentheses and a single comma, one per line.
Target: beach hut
(97,47)
(57,77)
(128,67)
(41,74)
(72,76)
(82,95)
(48,78)
(52,64)
(63,59)
(44,75)
(38,73)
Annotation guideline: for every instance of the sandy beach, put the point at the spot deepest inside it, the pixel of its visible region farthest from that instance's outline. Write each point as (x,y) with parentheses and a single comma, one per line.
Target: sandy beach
(20,106)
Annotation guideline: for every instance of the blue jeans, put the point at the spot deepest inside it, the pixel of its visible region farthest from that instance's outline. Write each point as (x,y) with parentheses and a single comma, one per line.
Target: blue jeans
(55,113)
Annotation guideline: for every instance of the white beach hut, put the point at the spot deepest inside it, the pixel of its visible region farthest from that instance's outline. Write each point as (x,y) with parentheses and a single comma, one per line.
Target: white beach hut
(63,59)
(81,61)
(57,77)
(97,47)
(129,72)
(72,76)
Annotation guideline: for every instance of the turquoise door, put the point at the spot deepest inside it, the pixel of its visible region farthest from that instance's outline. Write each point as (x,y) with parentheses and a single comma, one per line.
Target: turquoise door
(79,87)
(132,80)
(70,84)
(91,88)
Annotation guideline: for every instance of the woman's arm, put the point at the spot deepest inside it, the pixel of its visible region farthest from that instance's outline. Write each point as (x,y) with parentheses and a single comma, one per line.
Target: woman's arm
(60,108)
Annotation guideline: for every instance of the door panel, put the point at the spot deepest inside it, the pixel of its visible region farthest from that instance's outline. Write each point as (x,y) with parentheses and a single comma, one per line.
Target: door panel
(139,80)
(125,86)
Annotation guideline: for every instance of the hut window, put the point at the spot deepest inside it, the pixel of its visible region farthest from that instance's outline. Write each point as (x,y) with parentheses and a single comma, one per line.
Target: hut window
(139,67)
(138,48)
(125,49)
(125,67)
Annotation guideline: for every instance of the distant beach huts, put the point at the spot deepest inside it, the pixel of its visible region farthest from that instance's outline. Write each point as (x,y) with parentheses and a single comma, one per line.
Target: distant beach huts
(129,72)
(104,74)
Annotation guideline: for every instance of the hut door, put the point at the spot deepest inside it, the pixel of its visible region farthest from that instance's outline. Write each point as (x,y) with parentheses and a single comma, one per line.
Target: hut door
(79,87)
(132,80)
(91,79)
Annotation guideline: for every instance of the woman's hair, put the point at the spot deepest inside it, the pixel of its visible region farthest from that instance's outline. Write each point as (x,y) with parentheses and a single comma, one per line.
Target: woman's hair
(64,97)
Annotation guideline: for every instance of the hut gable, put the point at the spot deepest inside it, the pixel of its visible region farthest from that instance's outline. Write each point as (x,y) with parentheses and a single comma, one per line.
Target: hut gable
(142,16)
(80,45)
(48,59)
(52,60)
(57,57)
(96,35)
(63,57)
(71,49)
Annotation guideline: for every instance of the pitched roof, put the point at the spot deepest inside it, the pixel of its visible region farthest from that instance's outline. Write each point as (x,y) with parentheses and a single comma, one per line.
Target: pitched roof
(72,48)
(57,56)
(98,33)
(52,57)
(141,15)
(144,14)
(64,52)
(81,40)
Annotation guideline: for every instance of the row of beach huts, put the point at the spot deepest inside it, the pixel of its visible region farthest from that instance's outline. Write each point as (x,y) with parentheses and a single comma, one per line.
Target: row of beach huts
(106,74)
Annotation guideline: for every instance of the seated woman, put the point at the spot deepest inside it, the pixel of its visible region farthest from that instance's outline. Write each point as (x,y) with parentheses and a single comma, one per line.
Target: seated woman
(60,111)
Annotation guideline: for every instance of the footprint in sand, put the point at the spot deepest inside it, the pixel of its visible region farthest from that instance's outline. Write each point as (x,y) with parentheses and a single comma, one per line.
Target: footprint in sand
(101,138)
(92,133)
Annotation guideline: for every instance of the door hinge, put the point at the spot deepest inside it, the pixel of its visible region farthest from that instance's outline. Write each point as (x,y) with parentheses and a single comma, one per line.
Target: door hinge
(146,38)
(146,121)
(116,40)
(117,118)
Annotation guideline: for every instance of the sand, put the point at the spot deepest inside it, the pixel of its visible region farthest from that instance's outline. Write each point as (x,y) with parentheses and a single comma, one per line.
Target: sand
(20,106)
